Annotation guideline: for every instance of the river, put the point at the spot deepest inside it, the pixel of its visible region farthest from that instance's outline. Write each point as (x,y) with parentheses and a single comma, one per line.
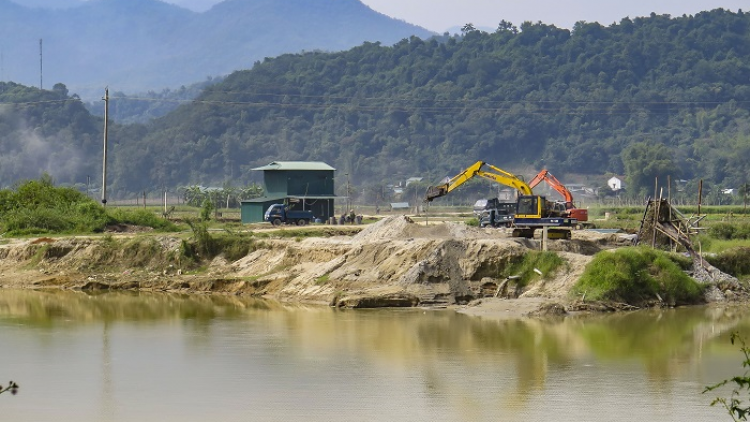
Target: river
(167,357)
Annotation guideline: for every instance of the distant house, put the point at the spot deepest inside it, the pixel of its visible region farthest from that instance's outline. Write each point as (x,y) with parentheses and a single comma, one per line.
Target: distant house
(729,191)
(413,180)
(303,185)
(615,183)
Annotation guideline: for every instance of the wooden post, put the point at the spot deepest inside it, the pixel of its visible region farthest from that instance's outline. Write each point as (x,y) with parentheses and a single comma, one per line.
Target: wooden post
(656,221)
(700,196)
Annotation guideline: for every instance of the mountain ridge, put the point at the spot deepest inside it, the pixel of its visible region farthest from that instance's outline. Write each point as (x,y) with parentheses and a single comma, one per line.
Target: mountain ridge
(150,45)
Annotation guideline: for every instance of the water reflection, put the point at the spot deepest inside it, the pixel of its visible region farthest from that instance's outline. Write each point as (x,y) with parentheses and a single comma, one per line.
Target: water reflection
(467,367)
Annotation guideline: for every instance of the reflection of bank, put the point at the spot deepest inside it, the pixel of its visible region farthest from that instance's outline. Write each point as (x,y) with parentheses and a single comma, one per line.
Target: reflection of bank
(441,362)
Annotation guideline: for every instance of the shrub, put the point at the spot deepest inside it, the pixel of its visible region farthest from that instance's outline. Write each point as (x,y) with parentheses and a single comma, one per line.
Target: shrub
(140,217)
(735,261)
(37,206)
(723,231)
(636,276)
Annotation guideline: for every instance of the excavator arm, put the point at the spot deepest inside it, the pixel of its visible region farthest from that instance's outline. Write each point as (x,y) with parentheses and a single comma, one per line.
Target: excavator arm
(496,175)
(579,214)
(504,178)
(456,181)
(555,184)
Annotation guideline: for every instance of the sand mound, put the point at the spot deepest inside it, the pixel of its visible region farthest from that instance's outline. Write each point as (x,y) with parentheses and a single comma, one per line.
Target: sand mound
(387,228)
(402,227)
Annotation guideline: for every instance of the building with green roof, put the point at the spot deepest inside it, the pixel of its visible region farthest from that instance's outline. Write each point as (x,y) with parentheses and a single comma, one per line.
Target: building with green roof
(303,185)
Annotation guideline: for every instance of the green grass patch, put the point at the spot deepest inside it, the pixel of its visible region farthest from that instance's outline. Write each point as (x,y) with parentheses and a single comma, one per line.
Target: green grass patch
(545,262)
(636,275)
(734,261)
(322,280)
(473,222)
(707,244)
(140,217)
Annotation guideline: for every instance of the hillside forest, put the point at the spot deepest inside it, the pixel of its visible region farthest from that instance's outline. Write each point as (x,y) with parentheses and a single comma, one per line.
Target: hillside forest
(654,97)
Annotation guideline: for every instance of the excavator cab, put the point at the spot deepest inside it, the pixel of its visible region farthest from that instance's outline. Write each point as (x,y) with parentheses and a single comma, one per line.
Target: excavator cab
(530,206)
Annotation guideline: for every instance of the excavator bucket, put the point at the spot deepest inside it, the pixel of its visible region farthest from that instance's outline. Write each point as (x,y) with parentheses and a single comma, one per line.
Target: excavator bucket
(436,192)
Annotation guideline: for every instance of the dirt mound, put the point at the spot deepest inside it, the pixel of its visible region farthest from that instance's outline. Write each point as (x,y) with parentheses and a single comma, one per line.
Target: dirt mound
(387,228)
(403,227)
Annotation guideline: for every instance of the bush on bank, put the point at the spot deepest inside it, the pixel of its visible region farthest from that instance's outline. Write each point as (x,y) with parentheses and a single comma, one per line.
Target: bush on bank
(39,207)
(735,261)
(637,276)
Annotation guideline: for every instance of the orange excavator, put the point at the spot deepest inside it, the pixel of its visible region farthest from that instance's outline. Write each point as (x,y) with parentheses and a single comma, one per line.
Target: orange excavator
(580,214)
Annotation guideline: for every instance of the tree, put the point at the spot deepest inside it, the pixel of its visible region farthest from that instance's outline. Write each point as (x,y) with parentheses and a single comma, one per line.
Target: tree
(207,208)
(734,404)
(12,387)
(744,191)
(646,162)
(469,27)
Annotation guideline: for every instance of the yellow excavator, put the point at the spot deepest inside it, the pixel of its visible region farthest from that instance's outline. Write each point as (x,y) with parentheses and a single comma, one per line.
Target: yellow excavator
(532,211)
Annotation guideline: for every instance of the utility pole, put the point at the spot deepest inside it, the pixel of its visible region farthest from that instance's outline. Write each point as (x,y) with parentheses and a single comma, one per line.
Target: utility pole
(40,64)
(104,163)
(347,193)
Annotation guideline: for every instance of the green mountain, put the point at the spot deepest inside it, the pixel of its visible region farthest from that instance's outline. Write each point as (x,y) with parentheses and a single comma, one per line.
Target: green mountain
(644,98)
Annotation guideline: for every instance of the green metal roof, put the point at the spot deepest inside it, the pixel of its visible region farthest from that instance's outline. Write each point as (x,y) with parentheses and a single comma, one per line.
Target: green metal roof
(295,165)
(264,199)
(283,197)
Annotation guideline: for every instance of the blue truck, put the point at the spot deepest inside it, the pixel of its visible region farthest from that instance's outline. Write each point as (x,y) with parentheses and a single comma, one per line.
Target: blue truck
(278,214)
(497,214)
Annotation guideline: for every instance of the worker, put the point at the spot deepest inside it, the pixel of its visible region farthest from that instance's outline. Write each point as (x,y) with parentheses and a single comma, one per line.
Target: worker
(352,216)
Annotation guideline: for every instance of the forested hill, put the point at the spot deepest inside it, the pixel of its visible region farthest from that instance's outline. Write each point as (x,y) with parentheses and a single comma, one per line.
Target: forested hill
(644,97)
(594,100)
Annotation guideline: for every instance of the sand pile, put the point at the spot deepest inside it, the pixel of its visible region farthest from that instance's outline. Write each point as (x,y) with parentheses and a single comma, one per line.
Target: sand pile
(402,227)
(387,228)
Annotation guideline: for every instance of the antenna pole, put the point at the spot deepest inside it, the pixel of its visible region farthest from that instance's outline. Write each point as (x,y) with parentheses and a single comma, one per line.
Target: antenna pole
(104,164)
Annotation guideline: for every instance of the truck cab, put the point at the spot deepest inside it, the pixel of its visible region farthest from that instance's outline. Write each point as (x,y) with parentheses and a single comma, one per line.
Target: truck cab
(497,214)
(278,214)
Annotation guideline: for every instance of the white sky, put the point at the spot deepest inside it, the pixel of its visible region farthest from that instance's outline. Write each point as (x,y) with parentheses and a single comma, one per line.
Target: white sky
(441,15)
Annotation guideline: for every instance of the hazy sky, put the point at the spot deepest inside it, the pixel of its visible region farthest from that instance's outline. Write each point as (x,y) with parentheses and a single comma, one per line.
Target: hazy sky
(440,15)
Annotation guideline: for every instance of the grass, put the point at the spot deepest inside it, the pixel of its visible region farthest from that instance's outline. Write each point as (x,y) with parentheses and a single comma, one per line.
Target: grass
(637,276)
(140,217)
(545,262)
(734,261)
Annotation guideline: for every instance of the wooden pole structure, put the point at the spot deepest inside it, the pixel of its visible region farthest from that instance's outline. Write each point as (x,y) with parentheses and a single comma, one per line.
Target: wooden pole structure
(104,163)
(700,195)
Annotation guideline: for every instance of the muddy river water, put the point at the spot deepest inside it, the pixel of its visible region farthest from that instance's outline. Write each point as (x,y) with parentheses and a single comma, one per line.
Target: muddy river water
(166,357)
